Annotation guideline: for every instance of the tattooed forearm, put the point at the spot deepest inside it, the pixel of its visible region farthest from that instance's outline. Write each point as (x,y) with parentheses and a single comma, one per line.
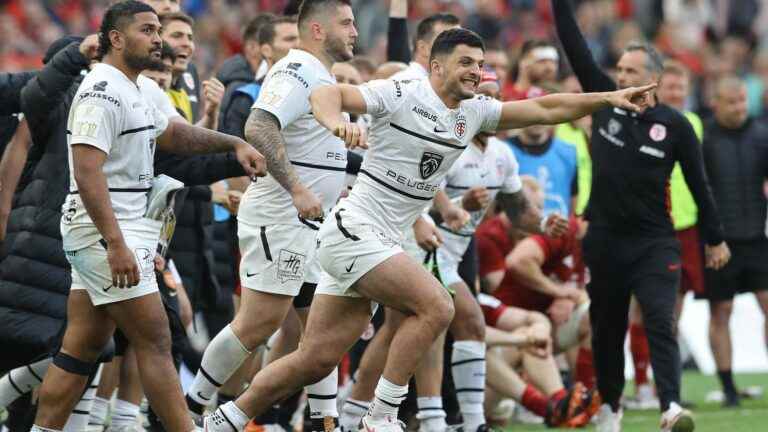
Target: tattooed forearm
(262,130)
(520,212)
(187,139)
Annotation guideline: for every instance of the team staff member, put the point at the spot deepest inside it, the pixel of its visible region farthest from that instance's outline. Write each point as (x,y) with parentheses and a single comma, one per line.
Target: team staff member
(736,157)
(631,247)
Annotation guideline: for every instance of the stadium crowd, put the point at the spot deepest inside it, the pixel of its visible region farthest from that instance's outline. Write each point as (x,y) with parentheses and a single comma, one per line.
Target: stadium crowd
(544,282)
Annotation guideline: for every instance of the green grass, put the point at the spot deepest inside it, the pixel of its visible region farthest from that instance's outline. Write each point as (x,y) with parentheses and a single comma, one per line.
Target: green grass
(752,416)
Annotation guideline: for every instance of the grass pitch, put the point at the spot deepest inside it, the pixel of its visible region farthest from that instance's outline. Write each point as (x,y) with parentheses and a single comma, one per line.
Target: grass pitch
(752,416)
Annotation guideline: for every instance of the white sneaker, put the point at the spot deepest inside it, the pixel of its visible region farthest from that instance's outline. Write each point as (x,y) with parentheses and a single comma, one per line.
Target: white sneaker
(387,424)
(677,419)
(433,424)
(608,421)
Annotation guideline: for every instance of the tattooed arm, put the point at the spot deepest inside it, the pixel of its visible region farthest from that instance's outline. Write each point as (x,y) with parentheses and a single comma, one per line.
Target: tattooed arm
(262,130)
(182,138)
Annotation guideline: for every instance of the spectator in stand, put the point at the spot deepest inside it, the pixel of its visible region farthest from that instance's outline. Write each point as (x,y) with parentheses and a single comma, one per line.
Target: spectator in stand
(497,60)
(537,64)
(736,158)
(365,66)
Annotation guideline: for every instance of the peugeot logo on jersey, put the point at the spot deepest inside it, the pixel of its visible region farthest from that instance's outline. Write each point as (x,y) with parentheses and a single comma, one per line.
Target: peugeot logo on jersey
(429,164)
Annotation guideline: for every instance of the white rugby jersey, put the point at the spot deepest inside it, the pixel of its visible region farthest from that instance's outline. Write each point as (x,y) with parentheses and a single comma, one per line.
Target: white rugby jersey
(414,140)
(117,116)
(414,71)
(319,158)
(495,168)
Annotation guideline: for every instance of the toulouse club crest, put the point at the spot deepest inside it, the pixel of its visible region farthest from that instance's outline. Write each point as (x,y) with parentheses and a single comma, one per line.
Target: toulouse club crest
(461,128)
(430,162)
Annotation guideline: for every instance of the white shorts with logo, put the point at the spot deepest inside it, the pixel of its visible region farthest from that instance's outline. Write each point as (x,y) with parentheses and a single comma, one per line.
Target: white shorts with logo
(91,272)
(277,259)
(350,245)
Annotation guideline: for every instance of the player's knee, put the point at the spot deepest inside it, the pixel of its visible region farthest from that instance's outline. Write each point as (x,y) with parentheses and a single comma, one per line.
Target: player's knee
(721,313)
(538,318)
(157,341)
(469,325)
(253,330)
(442,312)
(320,362)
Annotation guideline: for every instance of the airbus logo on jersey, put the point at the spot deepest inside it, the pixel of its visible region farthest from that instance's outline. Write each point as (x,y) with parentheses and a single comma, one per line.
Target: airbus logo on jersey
(294,66)
(100,86)
(430,163)
(424,113)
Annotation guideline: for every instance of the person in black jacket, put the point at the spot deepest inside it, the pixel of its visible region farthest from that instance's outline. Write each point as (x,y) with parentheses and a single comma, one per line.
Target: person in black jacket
(736,156)
(242,69)
(631,247)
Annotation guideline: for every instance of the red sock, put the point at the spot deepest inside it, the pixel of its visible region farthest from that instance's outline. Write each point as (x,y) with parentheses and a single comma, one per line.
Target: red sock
(585,368)
(534,401)
(641,355)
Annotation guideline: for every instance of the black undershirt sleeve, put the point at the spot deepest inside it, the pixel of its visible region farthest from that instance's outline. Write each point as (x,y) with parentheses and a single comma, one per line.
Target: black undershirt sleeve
(591,77)
(689,155)
(397,41)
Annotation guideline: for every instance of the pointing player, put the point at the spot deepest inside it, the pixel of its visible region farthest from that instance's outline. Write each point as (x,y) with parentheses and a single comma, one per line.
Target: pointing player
(359,242)
(113,130)
(276,220)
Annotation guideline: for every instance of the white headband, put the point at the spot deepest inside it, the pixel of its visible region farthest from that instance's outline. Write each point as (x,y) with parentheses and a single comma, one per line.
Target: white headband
(545,53)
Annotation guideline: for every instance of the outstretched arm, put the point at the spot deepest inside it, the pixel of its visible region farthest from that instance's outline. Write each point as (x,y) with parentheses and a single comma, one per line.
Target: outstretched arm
(591,77)
(183,138)
(564,107)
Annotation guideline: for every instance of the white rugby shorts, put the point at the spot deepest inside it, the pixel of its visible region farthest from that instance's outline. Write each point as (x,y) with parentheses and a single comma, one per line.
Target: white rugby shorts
(349,246)
(91,272)
(277,259)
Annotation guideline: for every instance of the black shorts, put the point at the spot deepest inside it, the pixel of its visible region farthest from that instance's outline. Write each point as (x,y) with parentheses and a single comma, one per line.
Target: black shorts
(747,271)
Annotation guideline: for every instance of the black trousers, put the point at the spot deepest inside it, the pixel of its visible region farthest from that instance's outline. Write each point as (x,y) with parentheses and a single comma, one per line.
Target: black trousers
(649,269)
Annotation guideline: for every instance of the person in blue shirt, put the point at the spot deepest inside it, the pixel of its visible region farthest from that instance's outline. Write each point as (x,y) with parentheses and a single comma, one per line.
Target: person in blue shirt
(552,162)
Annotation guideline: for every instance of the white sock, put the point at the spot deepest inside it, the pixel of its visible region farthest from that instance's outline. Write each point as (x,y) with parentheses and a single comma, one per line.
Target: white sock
(125,414)
(222,358)
(352,412)
(36,428)
(431,414)
(321,396)
(81,414)
(387,401)
(227,418)
(99,411)
(468,368)
(22,380)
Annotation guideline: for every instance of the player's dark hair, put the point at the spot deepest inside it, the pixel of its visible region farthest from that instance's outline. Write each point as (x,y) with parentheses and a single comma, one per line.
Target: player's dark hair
(268,31)
(310,8)
(292,8)
(448,40)
(116,18)
(177,16)
(426,28)
(654,63)
(251,31)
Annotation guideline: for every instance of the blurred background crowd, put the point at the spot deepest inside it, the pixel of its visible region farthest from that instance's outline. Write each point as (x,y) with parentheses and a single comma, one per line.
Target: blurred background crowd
(711,37)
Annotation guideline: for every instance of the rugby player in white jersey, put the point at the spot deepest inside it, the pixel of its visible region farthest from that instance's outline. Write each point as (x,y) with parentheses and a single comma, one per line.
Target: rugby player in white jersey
(359,242)
(113,129)
(278,220)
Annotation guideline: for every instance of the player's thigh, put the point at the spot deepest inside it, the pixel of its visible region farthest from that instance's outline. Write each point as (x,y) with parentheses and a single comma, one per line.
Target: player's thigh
(334,324)
(143,320)
(405,285)
(513,318)
(89,328)
(261,309)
